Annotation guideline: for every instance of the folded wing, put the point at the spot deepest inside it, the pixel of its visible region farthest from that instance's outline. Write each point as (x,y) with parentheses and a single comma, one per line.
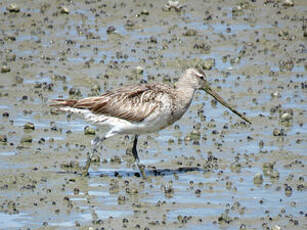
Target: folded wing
(132,103)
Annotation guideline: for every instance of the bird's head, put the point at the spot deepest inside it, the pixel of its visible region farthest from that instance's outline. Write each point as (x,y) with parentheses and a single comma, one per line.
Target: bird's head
(198,80)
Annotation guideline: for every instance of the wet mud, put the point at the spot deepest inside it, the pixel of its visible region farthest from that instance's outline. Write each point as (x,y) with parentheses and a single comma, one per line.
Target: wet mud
(210,170)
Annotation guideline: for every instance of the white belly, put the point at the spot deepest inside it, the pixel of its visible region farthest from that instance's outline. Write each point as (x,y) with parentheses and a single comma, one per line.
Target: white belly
(153,123)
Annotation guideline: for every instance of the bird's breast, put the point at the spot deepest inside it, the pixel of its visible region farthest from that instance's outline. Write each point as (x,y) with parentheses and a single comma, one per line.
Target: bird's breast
(179,108)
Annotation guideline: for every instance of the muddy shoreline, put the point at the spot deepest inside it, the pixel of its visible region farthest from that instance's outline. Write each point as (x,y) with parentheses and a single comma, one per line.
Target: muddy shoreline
(209,170)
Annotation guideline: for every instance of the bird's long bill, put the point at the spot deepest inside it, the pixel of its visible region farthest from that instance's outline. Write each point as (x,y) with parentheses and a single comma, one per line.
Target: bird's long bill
(223,102)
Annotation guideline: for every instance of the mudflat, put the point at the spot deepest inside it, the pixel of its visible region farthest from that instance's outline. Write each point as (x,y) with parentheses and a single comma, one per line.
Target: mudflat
(210,170)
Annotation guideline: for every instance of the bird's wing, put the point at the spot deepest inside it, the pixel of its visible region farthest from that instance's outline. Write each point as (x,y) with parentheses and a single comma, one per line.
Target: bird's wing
(132,103)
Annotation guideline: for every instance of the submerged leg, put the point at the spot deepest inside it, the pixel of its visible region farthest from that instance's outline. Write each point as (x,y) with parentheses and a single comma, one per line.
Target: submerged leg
(95,144)
(136,157)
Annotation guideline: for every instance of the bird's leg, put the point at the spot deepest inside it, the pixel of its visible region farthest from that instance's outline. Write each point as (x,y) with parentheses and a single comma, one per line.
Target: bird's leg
(134,151)
(95,145)
(136,157)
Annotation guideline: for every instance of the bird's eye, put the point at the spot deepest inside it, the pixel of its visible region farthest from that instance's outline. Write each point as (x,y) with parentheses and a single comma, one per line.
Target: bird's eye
(202,77)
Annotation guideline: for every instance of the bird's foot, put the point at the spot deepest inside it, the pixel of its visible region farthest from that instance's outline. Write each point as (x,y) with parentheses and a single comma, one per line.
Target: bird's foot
(142,170)
(84,173)
(92,155)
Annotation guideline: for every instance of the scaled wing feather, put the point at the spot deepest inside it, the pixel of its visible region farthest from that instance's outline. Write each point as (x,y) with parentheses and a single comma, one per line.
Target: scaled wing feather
(133,103)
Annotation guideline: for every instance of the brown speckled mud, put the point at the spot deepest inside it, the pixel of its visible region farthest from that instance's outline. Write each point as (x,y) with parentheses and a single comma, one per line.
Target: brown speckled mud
(208,171)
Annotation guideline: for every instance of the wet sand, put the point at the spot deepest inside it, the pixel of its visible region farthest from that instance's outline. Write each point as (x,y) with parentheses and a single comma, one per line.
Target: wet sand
(208,171)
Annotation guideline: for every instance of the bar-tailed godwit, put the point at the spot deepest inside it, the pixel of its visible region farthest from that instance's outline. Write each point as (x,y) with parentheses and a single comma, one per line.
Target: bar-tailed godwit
(140,109)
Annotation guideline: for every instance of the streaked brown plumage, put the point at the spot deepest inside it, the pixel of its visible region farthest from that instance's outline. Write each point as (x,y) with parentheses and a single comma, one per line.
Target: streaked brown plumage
(132,103)
(141,108)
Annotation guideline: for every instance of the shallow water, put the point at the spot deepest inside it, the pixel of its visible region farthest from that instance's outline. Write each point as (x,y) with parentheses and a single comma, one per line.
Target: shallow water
(37,191)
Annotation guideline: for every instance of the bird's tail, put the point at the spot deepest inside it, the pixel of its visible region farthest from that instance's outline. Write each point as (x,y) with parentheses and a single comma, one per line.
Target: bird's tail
(63,102)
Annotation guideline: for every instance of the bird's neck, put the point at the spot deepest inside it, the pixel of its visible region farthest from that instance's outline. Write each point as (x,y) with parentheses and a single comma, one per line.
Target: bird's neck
(184,93)
(184,84)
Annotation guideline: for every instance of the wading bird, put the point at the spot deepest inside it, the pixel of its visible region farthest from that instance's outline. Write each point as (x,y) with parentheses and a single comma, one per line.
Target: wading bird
(139,109)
